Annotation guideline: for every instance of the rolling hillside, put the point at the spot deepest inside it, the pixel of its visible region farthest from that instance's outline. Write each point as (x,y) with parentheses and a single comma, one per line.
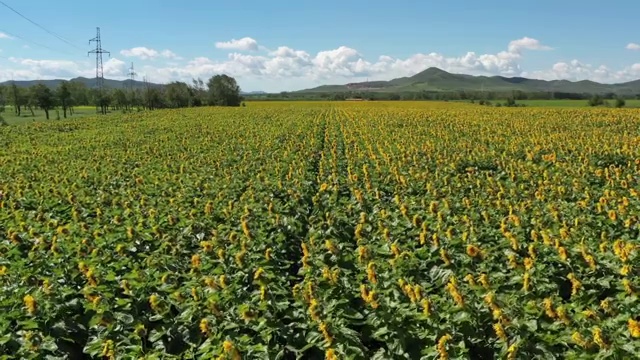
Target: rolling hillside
(434,79)
(90,83)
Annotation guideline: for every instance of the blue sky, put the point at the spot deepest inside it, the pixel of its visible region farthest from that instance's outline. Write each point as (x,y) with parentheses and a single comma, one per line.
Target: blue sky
(288,45)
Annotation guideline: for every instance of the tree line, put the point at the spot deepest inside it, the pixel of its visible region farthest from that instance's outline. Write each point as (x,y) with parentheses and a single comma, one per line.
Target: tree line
(220,90)
(460,95)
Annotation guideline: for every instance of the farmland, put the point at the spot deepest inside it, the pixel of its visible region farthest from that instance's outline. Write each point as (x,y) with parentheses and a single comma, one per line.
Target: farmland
(323,231)
(11,118)
(570,103)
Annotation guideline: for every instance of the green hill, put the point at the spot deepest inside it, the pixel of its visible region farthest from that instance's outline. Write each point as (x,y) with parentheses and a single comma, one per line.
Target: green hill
(434,79)
(90,83)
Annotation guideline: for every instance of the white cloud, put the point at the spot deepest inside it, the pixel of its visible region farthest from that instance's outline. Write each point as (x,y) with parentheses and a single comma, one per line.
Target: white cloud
(146,53)
(141,52)
(246,44)
(342,61)
(52,68)
(526,43)
(633,46)
(169,54)
(575,70)
(32,69)
(5,36)
(114,68)
(502,63)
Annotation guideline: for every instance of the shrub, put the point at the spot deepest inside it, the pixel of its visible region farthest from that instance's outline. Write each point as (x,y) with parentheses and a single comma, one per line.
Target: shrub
(596,100)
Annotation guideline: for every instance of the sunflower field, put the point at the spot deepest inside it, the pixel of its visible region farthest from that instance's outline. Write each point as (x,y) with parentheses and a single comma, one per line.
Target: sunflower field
(323,231)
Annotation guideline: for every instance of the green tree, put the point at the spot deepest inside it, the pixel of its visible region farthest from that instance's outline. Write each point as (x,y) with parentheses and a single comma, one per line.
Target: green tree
(3,98)
(199,92)
(224,91)
(18,99)
(102,99)
(80,93)
(596,100)
(64,96)
(43,97)
(133,98)
(620,102)
(178,95)
(153,98)
(120,100)
(2,105)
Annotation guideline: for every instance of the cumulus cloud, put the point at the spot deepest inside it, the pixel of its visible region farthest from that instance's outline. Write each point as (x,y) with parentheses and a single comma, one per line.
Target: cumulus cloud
(245,44)
(114,68)
(5,36)
(502,63)
(633,46)
(52,68)
(33,69)
(575,70)
(141,52)
(526,43)
(341,62)
(169,54)
(146,53)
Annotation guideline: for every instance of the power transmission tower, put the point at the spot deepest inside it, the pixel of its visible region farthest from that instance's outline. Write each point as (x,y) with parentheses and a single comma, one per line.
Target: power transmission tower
(99,71)
(132,76)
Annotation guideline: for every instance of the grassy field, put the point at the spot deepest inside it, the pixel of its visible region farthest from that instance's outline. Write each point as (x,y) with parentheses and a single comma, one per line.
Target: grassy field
(12,119)
(571,103)
(370,230)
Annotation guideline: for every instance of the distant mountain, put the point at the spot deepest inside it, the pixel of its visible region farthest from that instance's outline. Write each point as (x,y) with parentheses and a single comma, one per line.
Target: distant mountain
(253,93)
(434,79)
(90,83)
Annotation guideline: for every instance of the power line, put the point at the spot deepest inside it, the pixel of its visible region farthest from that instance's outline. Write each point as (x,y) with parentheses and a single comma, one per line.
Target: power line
(35,43)
(40,26)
